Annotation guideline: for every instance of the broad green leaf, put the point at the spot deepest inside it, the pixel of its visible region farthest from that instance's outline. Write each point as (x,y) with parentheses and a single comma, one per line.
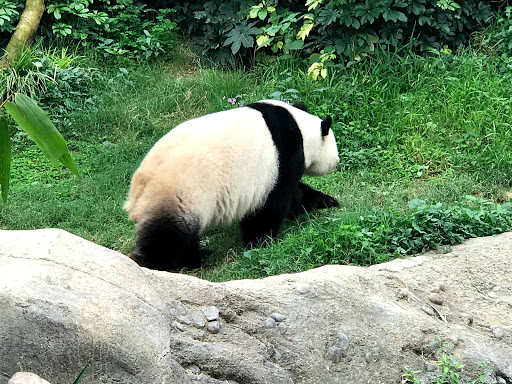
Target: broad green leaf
(295,45)
(272,30)
(247,41)
(34,121)
(5,158)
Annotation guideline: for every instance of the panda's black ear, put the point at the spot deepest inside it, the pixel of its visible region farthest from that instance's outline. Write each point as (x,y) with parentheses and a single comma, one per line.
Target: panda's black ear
(326,125)
(300,106)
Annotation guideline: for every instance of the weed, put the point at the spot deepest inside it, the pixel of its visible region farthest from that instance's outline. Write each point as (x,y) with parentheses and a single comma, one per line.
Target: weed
(449,369)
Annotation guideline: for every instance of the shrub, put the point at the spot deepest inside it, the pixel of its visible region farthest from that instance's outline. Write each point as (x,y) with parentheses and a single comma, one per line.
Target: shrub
(350,29)
(123,27)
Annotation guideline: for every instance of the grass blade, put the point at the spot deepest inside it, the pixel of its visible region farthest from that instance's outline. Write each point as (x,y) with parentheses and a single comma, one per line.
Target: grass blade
(5,158)
(34,121)
(80,375)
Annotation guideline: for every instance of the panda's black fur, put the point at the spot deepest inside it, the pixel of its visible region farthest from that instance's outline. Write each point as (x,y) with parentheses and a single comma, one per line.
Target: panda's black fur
(168,241)
(307,199)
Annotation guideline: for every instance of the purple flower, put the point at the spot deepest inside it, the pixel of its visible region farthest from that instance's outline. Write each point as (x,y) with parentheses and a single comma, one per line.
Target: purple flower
(287,102)
(223,97)
(232,100)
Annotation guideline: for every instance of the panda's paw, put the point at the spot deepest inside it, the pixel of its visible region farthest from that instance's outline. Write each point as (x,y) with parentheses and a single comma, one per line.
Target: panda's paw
(329,201)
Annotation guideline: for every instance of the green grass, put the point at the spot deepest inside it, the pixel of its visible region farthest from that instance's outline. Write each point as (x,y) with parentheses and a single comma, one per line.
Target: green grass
(415,128)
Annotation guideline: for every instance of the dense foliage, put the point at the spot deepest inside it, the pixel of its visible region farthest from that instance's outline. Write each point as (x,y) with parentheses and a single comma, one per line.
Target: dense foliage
(347,28)
(122,27)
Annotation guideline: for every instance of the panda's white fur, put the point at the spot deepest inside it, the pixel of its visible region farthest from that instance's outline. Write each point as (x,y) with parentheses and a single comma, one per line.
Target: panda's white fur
(221,166)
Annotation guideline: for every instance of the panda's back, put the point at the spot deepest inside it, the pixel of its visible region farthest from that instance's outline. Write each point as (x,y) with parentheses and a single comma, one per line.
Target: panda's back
(215,169)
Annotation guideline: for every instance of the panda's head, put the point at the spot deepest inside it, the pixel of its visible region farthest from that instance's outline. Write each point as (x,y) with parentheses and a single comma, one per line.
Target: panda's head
(326,157)
(320,150)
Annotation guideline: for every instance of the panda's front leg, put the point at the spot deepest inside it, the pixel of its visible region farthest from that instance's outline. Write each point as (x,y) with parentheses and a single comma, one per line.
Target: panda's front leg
(264,224)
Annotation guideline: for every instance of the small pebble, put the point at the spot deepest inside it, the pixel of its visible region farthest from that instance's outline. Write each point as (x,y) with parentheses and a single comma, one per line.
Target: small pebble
(335,354)
(501,380)
(455,340)
(270,323)
(435,298)
(213,327)
(403,294)
(467,318)
(194,369)
(269,364)
(198,320)
(281,328)
(179,326)
(497,288)
(437,268)
(372,357)
(303,288)
(278,317)
(492,294)
(430,367)
(498,333)
(173,312)
(183,320)
(343,343)
(439,285)
(429,310)
(211,313)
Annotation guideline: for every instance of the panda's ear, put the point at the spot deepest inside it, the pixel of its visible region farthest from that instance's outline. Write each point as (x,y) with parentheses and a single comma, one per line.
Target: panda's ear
(300,106)
(326,125)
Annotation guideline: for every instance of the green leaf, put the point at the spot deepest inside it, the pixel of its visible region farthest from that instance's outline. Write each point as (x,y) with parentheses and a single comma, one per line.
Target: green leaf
(5,158)
(305,29)
(34,121)
(295,45)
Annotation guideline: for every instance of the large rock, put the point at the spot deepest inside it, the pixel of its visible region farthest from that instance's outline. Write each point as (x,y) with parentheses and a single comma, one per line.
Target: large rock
(65,302)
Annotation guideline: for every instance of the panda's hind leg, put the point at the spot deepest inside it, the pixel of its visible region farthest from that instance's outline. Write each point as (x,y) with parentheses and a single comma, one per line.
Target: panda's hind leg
(264,224)
(165,243)
(307,199)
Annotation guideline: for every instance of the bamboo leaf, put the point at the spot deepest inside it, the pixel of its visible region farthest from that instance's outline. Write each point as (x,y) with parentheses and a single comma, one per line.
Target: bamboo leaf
(34,121)
(5,158)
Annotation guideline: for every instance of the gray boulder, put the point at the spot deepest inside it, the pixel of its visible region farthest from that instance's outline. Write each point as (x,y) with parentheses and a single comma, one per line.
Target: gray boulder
(65,302)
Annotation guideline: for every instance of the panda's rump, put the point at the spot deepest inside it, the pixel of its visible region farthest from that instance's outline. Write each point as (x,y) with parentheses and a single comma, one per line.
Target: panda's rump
(214,173)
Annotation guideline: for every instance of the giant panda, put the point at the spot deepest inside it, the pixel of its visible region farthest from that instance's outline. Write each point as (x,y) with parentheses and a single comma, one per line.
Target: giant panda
(243,164)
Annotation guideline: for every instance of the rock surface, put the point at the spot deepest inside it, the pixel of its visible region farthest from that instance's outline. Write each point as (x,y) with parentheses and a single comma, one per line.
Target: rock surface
(65,302)
(26,378)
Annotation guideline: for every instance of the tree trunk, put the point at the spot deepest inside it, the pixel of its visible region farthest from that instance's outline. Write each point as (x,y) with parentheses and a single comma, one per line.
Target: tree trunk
(25,31)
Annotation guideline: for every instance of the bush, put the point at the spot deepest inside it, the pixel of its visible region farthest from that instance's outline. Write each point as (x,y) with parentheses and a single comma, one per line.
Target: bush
(350,28)
(375,238)
(123,27)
